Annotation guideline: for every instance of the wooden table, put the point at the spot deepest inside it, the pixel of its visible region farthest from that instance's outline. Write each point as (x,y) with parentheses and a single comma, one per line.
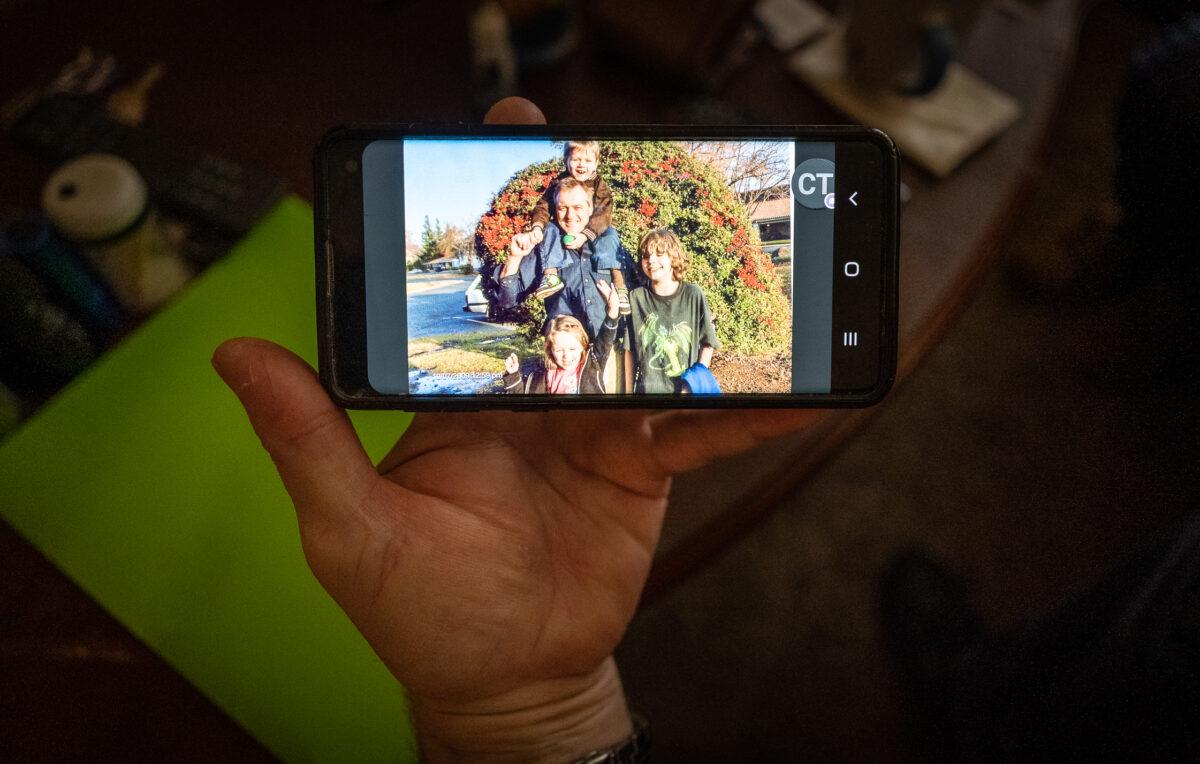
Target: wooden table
(948,234)
(261,84)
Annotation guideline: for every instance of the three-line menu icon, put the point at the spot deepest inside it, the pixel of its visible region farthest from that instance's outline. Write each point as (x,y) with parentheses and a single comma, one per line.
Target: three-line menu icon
(849,339)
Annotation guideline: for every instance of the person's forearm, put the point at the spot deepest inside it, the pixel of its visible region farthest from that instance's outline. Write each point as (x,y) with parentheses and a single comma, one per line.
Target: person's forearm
(541,211)
(606,337)
(511,266)
(553,720)
(508,290)
(512,382)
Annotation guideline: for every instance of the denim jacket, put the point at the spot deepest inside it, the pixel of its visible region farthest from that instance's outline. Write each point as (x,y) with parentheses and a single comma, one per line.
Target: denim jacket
(579,296)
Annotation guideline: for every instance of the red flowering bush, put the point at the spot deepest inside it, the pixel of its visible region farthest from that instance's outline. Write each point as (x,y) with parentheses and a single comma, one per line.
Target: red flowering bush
(658,184)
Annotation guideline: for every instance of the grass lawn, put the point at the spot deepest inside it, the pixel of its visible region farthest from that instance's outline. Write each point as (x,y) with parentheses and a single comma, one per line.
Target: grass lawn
(481,352)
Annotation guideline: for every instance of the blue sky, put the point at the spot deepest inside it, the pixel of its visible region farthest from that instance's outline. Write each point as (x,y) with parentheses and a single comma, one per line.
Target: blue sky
(453,180)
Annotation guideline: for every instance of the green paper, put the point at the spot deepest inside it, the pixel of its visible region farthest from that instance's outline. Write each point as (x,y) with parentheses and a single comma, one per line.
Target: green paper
(144,483)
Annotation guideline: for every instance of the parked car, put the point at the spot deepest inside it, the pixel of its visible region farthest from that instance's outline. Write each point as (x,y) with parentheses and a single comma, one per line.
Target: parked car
(473,298)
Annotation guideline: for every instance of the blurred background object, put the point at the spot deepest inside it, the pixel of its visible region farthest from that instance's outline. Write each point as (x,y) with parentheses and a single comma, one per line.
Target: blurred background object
(1135,254)
(681,43)
(906,45)
(790,23)
(10,410)
(129,103)
(40,344)
(100,202)
(56,260)
(543,32)
(493,59)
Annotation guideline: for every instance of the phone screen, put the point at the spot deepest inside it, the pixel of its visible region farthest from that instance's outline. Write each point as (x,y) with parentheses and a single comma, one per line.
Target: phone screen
(540,265)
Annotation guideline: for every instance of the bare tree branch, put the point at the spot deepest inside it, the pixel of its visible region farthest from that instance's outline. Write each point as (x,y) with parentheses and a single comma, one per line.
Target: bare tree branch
(754,170)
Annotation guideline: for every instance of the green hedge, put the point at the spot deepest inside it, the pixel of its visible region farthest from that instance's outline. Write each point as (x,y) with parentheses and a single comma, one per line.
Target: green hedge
(658,184)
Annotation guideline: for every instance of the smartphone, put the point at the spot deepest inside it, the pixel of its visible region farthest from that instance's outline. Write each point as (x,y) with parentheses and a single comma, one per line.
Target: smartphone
(472,267)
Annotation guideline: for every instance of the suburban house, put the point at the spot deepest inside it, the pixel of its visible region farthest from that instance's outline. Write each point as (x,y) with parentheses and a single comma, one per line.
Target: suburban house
(771,216)
(451,262)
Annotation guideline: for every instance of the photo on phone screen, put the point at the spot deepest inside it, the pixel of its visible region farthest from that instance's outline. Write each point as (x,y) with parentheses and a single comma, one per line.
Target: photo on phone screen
(547,266)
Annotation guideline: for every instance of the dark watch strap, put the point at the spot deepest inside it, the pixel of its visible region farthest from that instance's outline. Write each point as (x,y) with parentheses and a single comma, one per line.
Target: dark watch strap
(635,750)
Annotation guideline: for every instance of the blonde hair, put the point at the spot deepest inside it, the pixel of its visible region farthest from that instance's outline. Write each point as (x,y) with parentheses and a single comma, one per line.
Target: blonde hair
(662,240)
(570,146)
(570,325)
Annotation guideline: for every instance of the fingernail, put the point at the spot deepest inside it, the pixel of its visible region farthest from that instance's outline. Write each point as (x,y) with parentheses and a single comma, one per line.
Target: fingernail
(231,364)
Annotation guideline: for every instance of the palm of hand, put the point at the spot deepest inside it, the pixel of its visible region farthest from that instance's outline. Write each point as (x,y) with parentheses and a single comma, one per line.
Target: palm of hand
(609,293)
(488,551)
(538,531)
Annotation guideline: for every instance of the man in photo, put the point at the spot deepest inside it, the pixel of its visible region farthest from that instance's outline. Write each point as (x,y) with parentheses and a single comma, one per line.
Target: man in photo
(582,160)
(520,274)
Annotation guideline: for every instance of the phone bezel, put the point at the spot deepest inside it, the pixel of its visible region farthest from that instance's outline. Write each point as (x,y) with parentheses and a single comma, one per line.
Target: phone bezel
(341,288)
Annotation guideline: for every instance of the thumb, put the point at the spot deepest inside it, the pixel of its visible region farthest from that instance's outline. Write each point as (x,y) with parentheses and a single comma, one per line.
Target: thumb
(311,441)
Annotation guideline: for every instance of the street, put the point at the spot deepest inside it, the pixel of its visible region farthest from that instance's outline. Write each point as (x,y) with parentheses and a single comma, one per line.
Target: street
(435,306)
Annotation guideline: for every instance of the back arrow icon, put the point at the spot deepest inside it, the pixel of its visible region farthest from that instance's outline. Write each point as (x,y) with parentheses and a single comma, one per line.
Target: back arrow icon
(852,198)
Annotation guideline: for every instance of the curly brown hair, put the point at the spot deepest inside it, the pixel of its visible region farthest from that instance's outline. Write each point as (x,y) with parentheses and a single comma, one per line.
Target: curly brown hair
(664,240)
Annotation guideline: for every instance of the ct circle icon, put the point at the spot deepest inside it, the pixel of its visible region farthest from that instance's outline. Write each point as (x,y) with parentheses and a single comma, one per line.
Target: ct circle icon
(812,183)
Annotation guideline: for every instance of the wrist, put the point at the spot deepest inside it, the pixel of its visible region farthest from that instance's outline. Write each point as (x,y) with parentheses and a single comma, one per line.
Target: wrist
(511,264)
(550,720)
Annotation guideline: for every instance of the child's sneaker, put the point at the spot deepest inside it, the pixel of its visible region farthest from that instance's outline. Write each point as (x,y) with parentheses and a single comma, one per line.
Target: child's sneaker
(623,300)
(549,285)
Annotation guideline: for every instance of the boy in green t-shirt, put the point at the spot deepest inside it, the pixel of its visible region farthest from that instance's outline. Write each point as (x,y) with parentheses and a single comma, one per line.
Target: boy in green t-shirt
(671,327)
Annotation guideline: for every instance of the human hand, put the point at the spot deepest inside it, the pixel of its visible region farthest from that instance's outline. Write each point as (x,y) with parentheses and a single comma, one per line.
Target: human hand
(520,246)
(536,235)
(496,603)
(609,293)
(511,364)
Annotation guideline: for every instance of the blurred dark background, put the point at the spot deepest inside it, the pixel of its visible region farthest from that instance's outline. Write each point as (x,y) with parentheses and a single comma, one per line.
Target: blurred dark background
(1048,430)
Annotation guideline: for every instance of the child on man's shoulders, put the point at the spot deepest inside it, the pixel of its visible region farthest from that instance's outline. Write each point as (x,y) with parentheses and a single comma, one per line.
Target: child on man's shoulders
(582,160)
